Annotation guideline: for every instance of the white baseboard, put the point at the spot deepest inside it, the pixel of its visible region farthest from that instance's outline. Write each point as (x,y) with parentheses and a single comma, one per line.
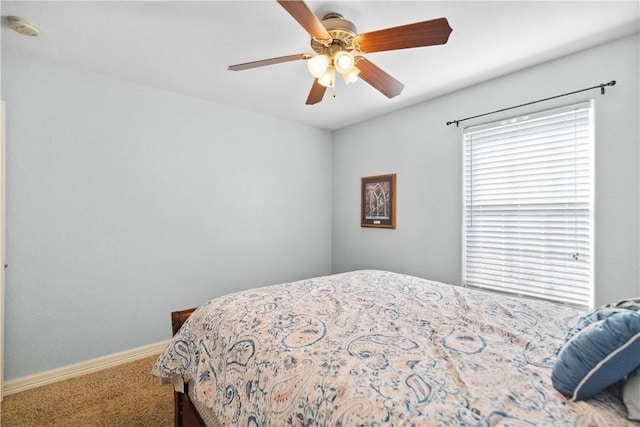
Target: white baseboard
(47,377)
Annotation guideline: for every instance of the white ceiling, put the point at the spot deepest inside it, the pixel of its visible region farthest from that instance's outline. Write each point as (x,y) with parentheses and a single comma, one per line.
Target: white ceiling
(186,47)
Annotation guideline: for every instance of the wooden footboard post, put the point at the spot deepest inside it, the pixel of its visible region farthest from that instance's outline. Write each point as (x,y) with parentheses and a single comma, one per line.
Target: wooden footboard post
(177,409)
(177,319)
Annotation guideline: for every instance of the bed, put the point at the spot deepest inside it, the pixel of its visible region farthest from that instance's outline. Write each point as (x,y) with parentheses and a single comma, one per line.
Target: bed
(375,348)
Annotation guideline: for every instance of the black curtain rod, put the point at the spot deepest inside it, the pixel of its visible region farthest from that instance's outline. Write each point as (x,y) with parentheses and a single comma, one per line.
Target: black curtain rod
(601,86)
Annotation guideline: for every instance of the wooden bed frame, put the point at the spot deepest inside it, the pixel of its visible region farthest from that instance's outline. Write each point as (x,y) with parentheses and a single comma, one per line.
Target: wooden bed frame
(185,413)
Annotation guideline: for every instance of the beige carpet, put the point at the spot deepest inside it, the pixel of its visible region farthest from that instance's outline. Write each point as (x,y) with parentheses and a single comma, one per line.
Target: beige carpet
(127,395)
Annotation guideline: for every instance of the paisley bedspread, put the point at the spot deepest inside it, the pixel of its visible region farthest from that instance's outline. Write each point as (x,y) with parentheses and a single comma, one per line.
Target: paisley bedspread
(375,348)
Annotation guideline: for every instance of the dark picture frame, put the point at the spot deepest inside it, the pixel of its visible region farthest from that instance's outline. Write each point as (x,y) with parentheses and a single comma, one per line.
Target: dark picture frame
(378,201)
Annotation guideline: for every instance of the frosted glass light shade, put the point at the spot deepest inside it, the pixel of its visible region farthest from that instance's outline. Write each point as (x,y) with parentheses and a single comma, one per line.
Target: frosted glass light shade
(328,79)
(318,65)
(351,76)
(343,61)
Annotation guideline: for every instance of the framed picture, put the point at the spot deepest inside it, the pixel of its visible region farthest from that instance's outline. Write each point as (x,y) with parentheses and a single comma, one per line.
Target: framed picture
(378,201)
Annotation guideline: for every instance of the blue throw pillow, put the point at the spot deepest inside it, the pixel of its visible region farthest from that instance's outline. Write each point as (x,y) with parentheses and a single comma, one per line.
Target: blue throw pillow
(600,354)
(603,312)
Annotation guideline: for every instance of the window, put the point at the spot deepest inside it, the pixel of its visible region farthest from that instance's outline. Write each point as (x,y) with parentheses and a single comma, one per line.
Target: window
(528,205)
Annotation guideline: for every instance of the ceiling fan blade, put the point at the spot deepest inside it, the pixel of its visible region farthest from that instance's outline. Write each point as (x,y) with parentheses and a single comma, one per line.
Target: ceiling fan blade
(316,94)
(379,79)
(270,61)
(305,17)
(419,34)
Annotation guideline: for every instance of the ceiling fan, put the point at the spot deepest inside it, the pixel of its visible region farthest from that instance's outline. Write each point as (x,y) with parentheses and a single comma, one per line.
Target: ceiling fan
(335,40)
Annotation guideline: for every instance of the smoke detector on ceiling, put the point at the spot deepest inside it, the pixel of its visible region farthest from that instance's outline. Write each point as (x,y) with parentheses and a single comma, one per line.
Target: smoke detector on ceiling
(23,27)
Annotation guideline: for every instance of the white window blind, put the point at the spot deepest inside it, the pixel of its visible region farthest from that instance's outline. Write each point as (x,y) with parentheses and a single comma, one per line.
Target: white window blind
(528,203)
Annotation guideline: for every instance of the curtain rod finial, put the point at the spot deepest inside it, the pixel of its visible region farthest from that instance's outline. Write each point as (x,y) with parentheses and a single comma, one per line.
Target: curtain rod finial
(602,86)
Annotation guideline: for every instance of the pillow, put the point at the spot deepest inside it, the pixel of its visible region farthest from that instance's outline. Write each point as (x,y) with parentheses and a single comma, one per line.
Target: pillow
(629,304)
(631,395)
(600,354)
(603,312)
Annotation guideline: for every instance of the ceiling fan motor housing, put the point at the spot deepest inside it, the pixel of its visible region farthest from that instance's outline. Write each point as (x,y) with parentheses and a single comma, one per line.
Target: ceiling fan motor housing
(342,33)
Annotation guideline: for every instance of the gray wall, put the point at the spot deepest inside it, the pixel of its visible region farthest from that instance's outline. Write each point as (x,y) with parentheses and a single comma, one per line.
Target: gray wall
(426,155)
(126,202)
(117,194)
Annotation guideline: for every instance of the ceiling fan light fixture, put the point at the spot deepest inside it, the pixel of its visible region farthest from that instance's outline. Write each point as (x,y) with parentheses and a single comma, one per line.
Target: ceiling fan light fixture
(318,65)
(328,79)
(351,76)
(343,61)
